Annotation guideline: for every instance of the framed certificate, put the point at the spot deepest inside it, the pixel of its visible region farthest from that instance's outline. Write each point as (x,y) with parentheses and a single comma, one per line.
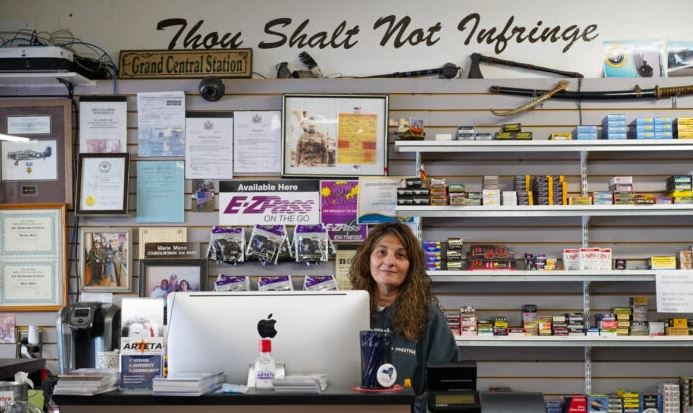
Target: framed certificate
(33,258)
(334,135)
(105,259)
(40,170)
(102,187)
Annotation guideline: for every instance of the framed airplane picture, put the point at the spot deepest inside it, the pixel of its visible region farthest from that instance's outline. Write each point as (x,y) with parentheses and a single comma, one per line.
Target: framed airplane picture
(36,151)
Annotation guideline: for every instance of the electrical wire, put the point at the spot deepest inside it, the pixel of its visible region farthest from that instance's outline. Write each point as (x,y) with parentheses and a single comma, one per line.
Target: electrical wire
(64,38)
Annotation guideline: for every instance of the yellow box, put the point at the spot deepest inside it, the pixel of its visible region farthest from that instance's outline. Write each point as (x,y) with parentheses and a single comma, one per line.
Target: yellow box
(663,262)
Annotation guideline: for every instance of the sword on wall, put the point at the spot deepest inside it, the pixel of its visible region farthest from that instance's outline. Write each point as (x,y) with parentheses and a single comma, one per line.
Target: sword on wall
(560,92)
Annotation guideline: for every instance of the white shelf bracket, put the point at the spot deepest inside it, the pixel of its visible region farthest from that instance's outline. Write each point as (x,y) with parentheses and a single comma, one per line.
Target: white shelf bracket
(584,231)
(588,370)
(584,190)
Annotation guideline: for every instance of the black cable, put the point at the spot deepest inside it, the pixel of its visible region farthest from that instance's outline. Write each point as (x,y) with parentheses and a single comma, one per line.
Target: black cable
(579,102)
(74,250)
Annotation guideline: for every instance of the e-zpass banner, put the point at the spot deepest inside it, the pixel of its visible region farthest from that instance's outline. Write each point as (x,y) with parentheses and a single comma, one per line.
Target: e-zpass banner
(272,202)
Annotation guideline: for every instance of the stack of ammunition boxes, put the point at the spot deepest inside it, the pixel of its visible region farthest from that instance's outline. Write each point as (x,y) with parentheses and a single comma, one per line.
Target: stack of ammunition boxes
(639,325)
(522,184)
(586,132)
(680,189)
(686,388)
(550,190)
(631,401)
(453,319)
(468,320)
(435,253)
(457,194)
(454,254)
(439,191)
(669,398)
(491,190)
(653,128)
(677,327)
(622,320)
(684,127)
(622,189)
(512,131)
(530,319)
(412,191)
(614,126)
(500,326)
(576,324)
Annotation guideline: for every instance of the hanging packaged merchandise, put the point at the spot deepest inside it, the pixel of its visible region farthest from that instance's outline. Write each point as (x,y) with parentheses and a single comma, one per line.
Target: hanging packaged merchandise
(286,251)
(274,283)
(265,243)
(319,283)
(226,244)
(311,244)
(232,283)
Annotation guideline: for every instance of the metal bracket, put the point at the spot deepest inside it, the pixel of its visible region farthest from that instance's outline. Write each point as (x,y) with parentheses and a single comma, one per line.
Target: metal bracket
(588,370)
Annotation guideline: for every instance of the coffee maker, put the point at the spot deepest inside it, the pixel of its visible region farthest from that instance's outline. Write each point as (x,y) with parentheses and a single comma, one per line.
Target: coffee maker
(84,330)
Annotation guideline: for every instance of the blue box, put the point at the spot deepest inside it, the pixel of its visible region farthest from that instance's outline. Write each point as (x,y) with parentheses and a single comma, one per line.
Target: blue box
(644,121)
(645,135)
(617,129)
(615,116)
(617,135)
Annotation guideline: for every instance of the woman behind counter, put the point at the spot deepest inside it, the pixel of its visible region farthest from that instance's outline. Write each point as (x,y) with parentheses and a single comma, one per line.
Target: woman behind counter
(390,266)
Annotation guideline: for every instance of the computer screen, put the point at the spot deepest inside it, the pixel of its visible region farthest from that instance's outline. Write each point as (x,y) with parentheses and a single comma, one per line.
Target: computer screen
(316,332)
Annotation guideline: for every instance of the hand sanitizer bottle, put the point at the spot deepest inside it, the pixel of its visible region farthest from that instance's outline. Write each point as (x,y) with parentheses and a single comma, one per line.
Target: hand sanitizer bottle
(264,366)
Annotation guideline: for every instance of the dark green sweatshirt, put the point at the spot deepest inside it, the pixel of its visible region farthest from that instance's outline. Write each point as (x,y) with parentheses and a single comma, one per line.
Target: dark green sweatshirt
(409,358)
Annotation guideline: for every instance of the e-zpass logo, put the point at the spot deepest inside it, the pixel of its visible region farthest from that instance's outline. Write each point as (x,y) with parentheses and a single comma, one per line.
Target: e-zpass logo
(259,204)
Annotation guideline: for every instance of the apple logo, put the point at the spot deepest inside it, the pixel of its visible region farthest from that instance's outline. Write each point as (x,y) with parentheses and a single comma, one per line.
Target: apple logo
(266,327)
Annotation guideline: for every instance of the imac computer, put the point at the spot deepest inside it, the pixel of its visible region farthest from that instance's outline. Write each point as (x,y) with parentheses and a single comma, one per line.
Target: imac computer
(316,332)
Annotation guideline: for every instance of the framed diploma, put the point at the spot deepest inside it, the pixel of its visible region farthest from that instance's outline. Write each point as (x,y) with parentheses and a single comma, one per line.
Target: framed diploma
(40,170)
(105,259)
(102,187)
(33,258)
(334,135)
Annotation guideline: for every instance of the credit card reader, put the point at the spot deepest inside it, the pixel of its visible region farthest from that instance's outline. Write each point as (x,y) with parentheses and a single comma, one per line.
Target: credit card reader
(452,387)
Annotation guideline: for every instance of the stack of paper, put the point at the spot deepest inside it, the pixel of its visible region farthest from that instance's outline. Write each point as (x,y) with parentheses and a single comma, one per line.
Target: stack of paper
(188,384)
(87,382)
(310,383)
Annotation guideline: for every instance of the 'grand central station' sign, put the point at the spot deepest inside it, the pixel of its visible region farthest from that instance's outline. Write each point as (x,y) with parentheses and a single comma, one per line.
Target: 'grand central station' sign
(178,64)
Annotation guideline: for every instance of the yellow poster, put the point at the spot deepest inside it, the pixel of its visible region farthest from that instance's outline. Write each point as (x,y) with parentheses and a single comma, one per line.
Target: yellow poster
(357,138)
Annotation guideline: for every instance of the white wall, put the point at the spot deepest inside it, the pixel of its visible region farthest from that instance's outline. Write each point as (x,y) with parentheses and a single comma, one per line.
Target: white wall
(444,104)
(132,24)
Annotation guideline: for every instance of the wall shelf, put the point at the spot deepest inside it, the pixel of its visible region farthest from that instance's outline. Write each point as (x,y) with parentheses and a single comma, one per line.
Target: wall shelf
(543,211)
(574,341)
(42,79)
(542,276)
(616,145)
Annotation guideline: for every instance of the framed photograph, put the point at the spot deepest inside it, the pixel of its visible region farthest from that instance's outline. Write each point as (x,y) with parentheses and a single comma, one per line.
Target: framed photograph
(105,259)
(159,277)
(39,170)
(33,258)
(334,135)
(102,184)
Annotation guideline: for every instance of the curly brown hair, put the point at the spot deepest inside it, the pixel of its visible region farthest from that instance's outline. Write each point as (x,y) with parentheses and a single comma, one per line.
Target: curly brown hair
(411,305)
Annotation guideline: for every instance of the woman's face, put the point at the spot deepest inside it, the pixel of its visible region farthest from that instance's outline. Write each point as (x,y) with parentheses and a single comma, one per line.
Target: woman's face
(389,263)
